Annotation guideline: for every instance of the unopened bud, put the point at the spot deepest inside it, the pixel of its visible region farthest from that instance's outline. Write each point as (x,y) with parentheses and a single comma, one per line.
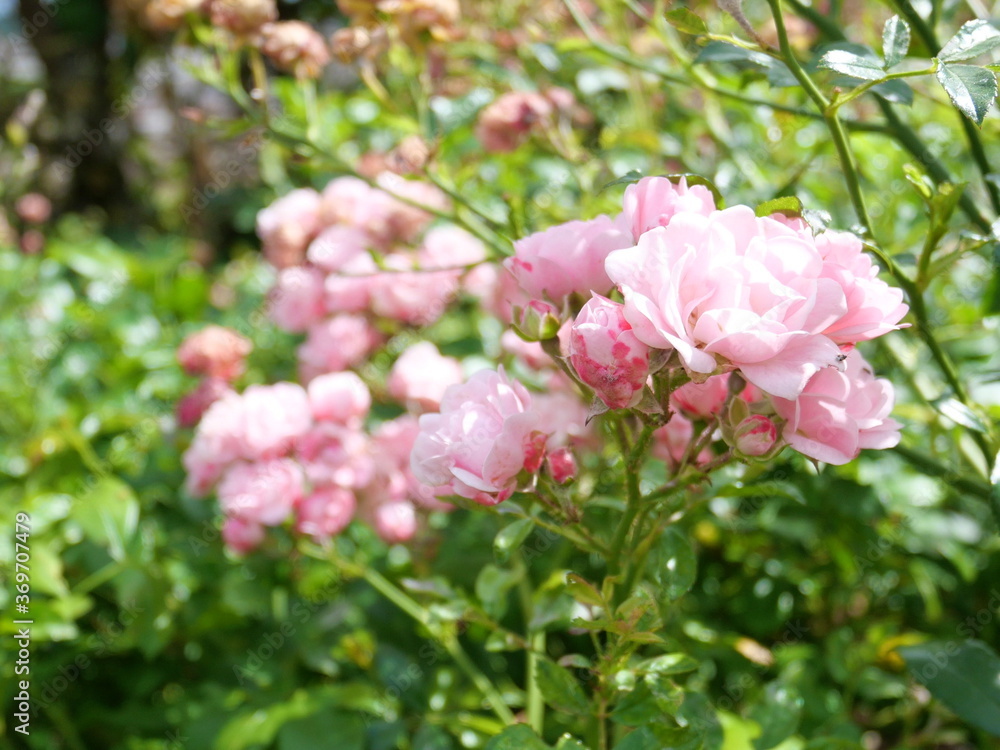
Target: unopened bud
(755,435)
(561,465)
(536,321)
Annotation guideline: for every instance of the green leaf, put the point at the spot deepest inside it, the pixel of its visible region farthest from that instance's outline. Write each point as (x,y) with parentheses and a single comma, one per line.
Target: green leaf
(670,664)
(697,714)
(492,587)
(778,716)
(674,564)
(960,414)
(339,730)
(561,689)
(684,20)
(895,41)
(640,739)
(965,678)
(569,743)
(637,708)
(971,89)
(510,538)
(517,737)
(973,39)
(788,204)
(851,64)
(584,591)
(629,178)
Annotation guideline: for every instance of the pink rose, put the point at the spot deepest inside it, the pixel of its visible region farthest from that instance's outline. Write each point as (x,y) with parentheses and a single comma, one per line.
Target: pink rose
(214,351)
(262,492)
(567,258)
(873,307)
(217,442)
(275,417)
(405,219)
(192,406)
(731,290)
(334,454)
(336,344)
(325,513)
(297,299)
(606,353)
(394,521)
(506,123)
(702,400)
(840,413)
(450,247)
(392,444)
(484,436)
(337,246)
(421,375)
(654,201)
(339,397)
(242,536)
(413,297)
(352,201)
(287,225)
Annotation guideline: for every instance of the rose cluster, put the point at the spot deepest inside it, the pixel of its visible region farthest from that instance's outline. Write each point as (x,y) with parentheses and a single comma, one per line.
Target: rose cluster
(280,453)
(354,255)
(759,315)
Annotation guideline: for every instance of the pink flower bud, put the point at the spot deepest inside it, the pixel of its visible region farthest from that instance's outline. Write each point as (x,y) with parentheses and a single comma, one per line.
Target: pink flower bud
(607,355)
(326,512)
(562,465)
(214,351)
(295,47)
(395,521)
(755,435)
(536,321)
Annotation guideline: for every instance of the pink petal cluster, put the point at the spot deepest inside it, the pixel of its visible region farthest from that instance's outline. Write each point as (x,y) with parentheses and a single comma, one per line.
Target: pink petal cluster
(282,453)
(840,413)
(722,291)
(606,354)
(484,436)
(514,116)
(329,283)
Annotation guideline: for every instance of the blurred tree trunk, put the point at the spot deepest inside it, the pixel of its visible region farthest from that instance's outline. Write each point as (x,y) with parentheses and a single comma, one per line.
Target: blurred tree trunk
(85,136)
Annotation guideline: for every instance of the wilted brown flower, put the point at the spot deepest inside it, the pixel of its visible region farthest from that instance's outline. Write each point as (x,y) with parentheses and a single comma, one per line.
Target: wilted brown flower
(168,15)
(295,47)
(357,42)
(242,17)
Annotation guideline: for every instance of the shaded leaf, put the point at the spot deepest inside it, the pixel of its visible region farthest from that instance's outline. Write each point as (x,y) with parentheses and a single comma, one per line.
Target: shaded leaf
(510,538)
(684,20)
(965,678)
(518,737)
(561,689)
(674,564)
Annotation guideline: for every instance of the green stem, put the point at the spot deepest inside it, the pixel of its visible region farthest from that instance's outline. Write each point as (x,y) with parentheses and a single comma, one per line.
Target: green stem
(447,639)
(851,176)
(840,101)
(834,125)
(975,141)
(634,497)
(536,648)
